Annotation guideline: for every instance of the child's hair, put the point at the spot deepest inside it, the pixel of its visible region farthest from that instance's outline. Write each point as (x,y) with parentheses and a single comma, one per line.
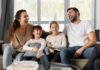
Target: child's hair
(54,22)
(36,27)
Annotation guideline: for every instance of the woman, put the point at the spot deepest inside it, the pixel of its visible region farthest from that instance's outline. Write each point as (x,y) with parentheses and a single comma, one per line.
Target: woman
(56,41)
(18,34)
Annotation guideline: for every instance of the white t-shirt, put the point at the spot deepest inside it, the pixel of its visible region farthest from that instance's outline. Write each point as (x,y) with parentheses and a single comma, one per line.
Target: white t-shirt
(78,33)
(58,42)
(33,42)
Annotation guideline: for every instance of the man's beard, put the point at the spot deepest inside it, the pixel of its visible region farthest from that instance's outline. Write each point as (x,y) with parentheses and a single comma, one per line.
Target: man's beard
(73,19)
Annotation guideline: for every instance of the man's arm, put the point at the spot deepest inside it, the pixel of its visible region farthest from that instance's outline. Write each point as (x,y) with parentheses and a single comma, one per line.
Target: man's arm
(91,41)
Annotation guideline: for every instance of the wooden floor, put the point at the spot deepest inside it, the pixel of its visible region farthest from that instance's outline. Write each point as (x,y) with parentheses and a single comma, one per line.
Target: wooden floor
(1,62)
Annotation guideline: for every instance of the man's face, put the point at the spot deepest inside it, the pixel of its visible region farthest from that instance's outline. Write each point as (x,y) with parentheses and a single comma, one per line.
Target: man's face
(72,15)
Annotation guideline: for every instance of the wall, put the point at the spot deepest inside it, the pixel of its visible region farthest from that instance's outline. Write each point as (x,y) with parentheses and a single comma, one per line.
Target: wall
(98,14)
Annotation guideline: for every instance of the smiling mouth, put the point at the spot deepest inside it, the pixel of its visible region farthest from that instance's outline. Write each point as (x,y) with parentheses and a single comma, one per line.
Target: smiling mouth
(70,18)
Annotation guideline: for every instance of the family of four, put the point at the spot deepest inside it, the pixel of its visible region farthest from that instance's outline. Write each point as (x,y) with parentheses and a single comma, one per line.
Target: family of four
(24,37)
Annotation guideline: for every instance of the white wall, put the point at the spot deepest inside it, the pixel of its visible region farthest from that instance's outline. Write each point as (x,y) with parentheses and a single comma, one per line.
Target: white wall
(98,14)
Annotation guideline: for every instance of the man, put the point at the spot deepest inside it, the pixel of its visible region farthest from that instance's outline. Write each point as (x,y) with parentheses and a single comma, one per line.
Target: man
(81,37)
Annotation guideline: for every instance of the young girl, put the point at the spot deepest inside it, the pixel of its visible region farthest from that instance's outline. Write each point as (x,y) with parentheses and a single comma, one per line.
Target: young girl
(36,45)
(56,41)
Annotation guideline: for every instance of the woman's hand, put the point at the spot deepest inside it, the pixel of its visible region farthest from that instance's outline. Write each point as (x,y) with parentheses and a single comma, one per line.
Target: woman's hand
(20,49)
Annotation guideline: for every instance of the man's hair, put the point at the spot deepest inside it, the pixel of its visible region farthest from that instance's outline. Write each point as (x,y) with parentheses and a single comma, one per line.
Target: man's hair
(75,9)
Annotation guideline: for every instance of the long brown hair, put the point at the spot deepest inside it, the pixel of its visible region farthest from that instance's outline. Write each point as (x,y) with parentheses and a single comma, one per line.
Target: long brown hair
(14,25)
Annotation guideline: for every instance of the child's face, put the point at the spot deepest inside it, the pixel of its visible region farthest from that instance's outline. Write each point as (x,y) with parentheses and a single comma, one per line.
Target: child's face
(54,28)
(37,33)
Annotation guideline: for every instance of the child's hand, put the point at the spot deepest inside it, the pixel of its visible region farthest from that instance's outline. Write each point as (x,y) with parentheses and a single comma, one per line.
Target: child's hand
(51,50)
(35,49)
(39,54)
(49,45)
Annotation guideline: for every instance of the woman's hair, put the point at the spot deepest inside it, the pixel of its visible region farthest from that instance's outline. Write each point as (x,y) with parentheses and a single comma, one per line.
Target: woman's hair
(15,24)
(36,27)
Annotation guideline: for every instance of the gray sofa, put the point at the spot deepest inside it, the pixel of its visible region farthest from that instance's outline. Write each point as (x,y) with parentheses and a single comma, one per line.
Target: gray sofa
(78,62)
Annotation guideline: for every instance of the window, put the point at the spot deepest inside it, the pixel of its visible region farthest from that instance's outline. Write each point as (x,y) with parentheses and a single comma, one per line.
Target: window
(29,5)
(47,10)
(43,11)
(85,8)
(52,10)
(47,28)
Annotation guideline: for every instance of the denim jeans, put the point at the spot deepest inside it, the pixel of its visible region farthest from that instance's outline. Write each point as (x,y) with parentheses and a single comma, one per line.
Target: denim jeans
(94,60)
(19,56)
(9,53)
(67,54)
(96,64)
(43,60)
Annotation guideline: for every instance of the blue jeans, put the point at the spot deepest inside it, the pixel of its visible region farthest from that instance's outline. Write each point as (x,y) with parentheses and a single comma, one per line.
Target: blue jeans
(94,61)
(67,54)
(43,59)
(9,53)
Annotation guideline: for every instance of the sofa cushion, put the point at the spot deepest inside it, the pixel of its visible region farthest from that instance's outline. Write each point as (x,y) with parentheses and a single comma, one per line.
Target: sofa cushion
(79,62)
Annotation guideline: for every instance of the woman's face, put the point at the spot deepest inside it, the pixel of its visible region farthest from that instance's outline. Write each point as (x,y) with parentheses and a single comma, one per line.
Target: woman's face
(23,18)
(54,28)
(37,33)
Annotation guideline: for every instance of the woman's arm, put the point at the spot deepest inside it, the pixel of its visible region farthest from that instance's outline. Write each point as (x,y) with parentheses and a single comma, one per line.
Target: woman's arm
(15,43)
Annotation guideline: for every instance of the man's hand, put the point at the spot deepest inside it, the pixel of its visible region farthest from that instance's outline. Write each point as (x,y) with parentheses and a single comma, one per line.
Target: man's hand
(91,42)
(79,52)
